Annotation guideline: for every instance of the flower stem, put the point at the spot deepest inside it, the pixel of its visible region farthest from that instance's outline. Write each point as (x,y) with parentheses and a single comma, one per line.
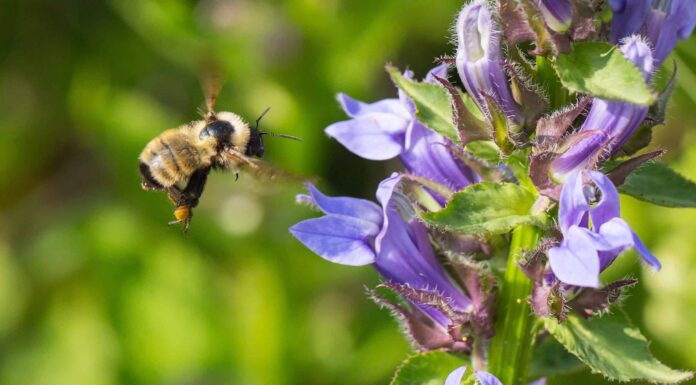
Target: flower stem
(511,348)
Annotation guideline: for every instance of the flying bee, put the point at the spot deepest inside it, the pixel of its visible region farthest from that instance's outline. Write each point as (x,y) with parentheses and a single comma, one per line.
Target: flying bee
(179,160)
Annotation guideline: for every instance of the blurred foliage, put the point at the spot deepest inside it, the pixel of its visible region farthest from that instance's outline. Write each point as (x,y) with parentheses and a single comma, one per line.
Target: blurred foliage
(95,288)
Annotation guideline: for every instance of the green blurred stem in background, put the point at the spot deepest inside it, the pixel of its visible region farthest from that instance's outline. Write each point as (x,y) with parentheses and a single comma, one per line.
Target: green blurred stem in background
(511,348)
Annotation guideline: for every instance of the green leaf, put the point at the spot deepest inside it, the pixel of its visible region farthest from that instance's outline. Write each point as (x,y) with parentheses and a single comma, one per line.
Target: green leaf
(611,346)
(485,150)
(486,208)
(552,359)
(433,105)
(431,368)
(601,70)
(658,184)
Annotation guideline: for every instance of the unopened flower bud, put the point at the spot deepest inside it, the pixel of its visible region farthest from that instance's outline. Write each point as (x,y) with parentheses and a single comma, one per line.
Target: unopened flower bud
(479,59)
(558,14)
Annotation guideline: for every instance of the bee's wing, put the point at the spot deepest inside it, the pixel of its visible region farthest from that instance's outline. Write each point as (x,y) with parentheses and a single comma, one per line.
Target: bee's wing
(211,83)
(261,169)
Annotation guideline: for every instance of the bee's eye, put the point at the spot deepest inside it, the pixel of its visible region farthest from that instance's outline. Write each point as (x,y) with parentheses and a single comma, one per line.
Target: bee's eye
(219,129)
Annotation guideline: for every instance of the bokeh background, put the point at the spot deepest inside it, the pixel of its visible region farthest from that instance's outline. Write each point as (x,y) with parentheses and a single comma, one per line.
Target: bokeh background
(96,289)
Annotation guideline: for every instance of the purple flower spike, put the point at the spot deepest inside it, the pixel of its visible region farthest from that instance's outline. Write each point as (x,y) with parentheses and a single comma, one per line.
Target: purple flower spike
(663,22)
(389,128)
(587,249)
(390,237)
(479,59)
(609,123)
(558,14)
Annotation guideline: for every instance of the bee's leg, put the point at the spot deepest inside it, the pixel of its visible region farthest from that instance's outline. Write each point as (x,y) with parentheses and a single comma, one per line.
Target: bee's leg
(183,215)
(236,176)
(187,199)
(195,186)
(183,212)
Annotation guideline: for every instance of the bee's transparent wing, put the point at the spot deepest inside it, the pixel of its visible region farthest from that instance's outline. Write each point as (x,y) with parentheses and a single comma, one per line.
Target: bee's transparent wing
(211,82)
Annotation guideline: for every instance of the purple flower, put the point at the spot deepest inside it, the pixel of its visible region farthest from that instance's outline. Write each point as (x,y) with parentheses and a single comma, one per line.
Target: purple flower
(391,238)
(593,234)
(483,378)
(663,22)
(609,123)
(558,14)
(627,18)
(479,59)
(389,128)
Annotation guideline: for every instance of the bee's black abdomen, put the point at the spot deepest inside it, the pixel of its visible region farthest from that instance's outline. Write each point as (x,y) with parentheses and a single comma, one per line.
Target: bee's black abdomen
(147,181)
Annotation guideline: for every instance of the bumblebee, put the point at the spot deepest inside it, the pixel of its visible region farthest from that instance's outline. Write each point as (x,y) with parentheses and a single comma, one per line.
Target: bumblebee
(179,160)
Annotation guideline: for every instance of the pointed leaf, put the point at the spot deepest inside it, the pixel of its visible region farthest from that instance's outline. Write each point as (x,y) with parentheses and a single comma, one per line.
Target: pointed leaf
(515,23)
(658,184)
(599,69)
(417,328)
(619,173)
(611,346)
(551,128)
(657,110)
(486,208)
(431,368)
(433,106)
(470,127)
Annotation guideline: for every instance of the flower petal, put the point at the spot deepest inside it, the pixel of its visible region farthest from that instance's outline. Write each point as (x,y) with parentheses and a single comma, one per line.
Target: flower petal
(575,262)
(352,207)
(645,253)
(585,152)
(355,108)
(608,206)
(486,378)
(616,234)
(339,239)
(439,70)
(374,136)
(572,204)
(426,155)
(455,378)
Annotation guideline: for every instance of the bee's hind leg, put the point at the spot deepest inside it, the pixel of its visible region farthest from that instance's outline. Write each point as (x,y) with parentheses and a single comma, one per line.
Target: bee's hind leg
(183,214)
(183,211)
(187,199)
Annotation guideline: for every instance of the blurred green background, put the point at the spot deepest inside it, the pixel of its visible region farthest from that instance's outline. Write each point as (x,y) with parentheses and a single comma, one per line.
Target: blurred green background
(96,289)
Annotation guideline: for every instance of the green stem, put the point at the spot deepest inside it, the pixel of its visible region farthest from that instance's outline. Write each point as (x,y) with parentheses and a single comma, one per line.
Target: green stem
(511,348)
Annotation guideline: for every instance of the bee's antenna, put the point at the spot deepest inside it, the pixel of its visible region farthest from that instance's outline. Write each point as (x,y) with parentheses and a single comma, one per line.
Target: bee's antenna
(280,135)
(260,117)
(271,133)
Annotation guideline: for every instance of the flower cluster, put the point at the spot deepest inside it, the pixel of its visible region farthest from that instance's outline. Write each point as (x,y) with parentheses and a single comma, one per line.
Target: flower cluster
(506,175)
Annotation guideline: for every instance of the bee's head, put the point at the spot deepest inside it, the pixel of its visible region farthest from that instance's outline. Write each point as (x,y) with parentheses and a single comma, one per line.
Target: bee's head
(227,128)
(255,147)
